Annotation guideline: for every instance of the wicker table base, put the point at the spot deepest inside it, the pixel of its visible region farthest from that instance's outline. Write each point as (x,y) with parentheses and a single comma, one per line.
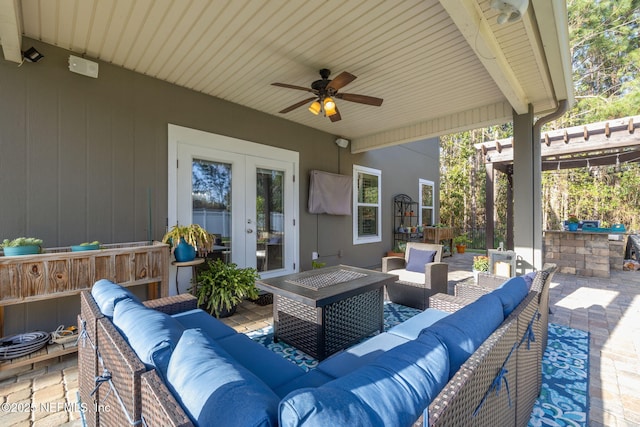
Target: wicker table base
(323,311)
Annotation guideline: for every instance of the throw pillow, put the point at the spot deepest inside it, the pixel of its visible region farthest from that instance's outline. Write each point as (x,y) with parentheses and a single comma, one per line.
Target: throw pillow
(418,258)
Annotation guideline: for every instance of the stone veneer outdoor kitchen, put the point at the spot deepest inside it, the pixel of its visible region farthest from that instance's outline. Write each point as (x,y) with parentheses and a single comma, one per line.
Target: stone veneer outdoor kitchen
(584,253)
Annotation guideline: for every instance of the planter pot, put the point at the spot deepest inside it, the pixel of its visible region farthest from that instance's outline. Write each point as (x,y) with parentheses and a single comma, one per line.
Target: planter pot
(22,250)
(460,248)
(391,253)
(573,226)
(80,248)
(226,313)
(184,252)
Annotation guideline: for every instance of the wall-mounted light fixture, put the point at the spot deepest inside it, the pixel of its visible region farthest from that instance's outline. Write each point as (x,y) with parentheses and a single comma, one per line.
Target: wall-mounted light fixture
(83,66)
(341,142)
(32,55)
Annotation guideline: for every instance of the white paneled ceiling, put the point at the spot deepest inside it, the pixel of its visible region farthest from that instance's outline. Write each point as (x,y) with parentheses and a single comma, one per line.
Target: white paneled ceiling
(440,67)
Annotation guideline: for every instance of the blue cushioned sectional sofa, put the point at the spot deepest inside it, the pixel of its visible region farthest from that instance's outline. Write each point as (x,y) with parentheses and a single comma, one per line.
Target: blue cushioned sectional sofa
(168,363)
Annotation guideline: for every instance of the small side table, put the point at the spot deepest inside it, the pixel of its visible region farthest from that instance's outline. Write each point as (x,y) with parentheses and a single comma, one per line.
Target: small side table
(193,264)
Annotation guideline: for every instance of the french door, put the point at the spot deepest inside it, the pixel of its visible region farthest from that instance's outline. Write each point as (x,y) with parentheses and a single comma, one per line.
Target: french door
(242,192)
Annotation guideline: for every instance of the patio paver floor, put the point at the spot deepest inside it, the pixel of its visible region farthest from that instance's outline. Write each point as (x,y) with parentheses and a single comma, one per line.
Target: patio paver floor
(608,308)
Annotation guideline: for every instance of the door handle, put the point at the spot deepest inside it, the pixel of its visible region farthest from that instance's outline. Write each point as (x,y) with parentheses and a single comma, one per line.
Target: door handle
(249,231)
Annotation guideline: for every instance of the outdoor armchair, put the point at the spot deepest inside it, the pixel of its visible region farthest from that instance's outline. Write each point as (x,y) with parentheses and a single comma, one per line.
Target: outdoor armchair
(421,274)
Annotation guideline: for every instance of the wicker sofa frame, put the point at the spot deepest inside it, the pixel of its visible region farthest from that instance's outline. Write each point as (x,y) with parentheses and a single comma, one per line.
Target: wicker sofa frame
(510,356)
(516,346)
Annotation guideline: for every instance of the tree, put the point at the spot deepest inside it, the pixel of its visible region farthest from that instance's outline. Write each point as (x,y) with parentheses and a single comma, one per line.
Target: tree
(605,49)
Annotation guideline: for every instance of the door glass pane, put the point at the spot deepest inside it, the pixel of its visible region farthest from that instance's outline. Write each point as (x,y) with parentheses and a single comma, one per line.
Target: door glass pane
(270,223)
(211,196)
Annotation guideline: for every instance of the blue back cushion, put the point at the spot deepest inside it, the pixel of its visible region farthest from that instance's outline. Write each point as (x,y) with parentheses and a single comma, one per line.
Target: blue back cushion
(511,293)
(107,294)
(393,390)
(466,329)
(151,334)
(418,258)
(214,389)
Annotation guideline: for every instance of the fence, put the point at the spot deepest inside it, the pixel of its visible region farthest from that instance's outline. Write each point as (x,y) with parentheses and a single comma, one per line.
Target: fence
(219,222)
(478,237)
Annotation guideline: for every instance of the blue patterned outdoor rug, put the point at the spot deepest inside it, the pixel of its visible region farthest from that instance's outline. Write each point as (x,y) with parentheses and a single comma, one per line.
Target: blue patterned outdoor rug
(564,398)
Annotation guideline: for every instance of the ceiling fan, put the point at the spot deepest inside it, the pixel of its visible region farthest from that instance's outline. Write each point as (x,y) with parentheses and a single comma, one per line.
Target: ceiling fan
(325,90)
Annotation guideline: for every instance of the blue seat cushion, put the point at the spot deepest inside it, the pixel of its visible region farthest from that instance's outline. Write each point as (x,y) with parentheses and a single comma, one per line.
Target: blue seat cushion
(106,294)
(214,389)
(411,328)
(349,360)
(393,390)
(151,334)
(271,368)
(211,326)
(466,329)
(511,293)
(418,258)
(313,378)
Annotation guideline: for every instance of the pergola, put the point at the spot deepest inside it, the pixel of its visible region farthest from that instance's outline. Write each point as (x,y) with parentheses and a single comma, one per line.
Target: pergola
(606,143)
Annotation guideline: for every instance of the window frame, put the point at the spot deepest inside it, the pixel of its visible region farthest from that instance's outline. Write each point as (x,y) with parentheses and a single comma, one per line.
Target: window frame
(422,182)
(357,239)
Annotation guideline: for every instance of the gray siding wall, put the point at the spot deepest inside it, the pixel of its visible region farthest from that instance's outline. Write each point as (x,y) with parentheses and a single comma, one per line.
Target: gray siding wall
(85,159)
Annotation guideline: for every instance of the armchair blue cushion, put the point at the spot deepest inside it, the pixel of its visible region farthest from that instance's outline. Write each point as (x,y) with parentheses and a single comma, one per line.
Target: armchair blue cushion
(214,389)
(418,258)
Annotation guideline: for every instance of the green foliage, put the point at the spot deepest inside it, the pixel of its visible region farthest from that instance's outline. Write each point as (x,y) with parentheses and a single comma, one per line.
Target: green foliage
(193,234)
(316,264)
(21,241)
(222,286)
(461,239)
(481,263)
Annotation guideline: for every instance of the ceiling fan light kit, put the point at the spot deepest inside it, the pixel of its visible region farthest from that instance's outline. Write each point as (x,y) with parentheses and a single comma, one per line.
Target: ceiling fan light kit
(325,91)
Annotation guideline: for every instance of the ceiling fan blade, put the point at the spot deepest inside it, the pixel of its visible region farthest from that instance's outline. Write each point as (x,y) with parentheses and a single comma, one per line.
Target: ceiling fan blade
(362,99)
(306,89)
(336,117)
(296,105)
(341,80)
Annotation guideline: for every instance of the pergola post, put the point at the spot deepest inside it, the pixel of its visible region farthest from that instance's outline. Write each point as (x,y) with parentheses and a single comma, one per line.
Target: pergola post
(527,190)
(489,205)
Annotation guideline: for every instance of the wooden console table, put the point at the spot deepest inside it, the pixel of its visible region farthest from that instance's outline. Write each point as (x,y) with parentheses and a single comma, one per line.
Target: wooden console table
(438,234)
(59,272)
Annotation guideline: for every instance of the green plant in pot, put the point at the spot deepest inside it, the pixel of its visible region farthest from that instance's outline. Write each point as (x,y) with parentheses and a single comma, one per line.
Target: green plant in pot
(461,242)
(220,287)
(180,237)
(22,246)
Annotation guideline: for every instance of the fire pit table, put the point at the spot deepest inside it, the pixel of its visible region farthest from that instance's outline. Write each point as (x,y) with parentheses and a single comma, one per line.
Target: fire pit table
(326,310)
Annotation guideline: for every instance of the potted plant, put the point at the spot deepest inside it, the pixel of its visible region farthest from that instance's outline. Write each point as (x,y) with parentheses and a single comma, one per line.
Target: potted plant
(220,287)
(572,223)
(22,246)
(480,263)
(187,240)
(86,246)
(461,242)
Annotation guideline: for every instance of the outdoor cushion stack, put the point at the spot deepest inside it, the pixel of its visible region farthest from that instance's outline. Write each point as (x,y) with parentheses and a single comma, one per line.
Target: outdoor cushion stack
(220,377)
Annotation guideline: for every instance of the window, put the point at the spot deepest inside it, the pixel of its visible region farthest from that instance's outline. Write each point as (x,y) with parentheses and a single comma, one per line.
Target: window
(426,202)
(366,205)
